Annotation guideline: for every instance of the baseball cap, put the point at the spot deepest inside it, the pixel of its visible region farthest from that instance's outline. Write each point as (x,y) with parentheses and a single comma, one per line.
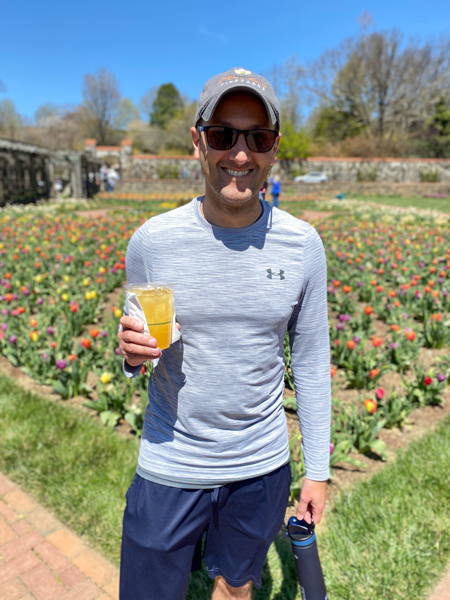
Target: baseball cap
(234,80)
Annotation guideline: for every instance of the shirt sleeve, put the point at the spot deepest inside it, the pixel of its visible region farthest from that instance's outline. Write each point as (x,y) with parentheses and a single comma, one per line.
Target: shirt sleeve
(310,360)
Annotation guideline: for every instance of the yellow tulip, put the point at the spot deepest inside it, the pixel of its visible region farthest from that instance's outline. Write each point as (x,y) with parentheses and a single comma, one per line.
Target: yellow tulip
(105,377)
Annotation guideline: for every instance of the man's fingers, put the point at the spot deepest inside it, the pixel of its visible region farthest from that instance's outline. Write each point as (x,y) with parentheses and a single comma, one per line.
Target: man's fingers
(301,509)
(132,323)
(140,350)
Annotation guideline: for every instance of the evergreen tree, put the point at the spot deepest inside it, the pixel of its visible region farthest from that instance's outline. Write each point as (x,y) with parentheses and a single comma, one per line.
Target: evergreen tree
(167,105)
(439,131)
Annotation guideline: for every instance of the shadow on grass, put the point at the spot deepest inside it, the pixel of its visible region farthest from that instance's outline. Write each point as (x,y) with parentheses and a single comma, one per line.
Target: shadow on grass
(279,576)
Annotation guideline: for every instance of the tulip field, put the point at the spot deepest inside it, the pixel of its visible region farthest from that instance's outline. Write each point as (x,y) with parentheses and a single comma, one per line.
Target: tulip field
(388,293)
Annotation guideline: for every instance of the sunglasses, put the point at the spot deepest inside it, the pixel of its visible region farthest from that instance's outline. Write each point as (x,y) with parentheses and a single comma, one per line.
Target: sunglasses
(224,138)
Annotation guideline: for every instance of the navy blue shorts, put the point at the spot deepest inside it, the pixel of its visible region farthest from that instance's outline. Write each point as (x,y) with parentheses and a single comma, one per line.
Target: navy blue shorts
(163,529)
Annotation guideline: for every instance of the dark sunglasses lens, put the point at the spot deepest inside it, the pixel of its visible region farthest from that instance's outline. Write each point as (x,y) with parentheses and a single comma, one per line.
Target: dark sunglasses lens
(221,138)
(261,140)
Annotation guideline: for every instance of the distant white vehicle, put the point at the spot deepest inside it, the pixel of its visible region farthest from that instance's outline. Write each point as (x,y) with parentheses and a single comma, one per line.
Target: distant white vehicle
(312,177)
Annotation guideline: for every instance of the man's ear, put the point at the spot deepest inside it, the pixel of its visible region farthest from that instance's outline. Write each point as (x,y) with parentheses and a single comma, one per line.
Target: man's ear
(196,142)
(275,148)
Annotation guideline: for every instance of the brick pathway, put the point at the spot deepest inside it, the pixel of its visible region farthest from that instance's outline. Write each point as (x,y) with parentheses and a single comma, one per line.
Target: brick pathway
(40,559)
(442,591)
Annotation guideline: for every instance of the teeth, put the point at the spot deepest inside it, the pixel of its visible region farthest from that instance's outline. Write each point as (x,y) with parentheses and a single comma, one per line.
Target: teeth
(237,173)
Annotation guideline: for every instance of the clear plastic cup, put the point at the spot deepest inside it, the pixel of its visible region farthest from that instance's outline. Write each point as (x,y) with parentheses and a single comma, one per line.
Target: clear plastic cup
(156,300)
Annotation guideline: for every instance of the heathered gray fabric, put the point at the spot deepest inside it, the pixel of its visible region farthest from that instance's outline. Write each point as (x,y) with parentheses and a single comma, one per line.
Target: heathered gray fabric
(215,412)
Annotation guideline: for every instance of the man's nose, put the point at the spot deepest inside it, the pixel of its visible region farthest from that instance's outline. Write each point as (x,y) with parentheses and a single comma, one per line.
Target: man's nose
(240,152)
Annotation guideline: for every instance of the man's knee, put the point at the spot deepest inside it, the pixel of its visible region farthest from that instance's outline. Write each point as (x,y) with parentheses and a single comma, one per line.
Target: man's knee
(223,591)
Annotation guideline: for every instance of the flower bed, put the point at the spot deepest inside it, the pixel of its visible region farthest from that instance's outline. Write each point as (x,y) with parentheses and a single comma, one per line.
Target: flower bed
(387,292)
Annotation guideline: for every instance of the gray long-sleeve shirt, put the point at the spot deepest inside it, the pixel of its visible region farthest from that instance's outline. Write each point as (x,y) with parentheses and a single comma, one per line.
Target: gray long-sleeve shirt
(215,411)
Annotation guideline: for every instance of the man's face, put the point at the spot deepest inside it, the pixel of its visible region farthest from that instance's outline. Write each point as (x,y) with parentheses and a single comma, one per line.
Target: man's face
(234,177)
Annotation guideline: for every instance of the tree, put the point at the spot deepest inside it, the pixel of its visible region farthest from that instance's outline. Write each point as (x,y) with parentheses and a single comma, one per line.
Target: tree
(333,124)
(178,131)
(387,87)
(101,96)
(147,101)
(287,81)
(166,105)
(10,120)
(126,112)
(439,130)
(294,144)
(46,113)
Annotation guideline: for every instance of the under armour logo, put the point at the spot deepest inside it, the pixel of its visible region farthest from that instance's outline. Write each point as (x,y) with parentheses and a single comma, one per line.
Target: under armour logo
(271,275)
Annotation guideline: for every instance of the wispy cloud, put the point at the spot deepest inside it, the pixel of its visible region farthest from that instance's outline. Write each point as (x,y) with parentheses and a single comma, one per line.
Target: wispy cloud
(212,34)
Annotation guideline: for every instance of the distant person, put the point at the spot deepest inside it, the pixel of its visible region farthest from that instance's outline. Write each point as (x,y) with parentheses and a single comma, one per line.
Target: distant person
(90,183)
(58,187)
(262,191)
(276,189)
(113,177)
(104,170)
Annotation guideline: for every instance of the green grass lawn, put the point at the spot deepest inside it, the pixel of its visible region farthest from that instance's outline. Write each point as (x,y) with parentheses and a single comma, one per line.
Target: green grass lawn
(386,538)
(441,204)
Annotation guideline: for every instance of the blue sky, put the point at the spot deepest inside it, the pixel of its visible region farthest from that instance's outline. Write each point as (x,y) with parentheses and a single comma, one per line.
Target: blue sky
(47,47)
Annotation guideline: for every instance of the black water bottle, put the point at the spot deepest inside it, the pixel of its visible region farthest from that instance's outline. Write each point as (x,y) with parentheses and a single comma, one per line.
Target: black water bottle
(304,545)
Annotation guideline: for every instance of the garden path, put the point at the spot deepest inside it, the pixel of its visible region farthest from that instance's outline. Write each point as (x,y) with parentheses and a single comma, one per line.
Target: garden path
(41,559)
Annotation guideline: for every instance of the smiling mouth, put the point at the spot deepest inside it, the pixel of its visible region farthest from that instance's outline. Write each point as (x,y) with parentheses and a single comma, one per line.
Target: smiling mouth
(234,173)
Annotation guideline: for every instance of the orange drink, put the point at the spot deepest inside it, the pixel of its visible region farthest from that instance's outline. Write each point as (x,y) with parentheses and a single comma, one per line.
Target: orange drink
(157,304)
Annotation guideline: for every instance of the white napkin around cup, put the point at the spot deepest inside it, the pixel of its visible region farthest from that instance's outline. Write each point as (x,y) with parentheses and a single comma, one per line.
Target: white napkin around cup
(134,309)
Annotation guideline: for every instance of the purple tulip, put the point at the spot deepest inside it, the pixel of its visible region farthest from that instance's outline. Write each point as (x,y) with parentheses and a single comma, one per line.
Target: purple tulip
(44,356)
(40,301)
(15,296)
(394,345)
(117,351)
(13,339)
(340,326)
(5,311)
(331,447)
(440,377)
(61,363)
(4,326)
(359,284)
(104,333)
(50,330)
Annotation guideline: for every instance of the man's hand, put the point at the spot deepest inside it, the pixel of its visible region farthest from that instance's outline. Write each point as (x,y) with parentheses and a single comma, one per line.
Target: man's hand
(136,346)
(312,500)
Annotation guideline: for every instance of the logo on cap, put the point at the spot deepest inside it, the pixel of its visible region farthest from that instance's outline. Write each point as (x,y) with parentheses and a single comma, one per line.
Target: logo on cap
(242,72)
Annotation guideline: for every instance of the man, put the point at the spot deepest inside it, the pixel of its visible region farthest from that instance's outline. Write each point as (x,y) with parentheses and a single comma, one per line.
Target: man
(214,453)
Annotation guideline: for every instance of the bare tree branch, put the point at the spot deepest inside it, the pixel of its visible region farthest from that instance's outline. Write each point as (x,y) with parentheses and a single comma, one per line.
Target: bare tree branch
(101,96)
